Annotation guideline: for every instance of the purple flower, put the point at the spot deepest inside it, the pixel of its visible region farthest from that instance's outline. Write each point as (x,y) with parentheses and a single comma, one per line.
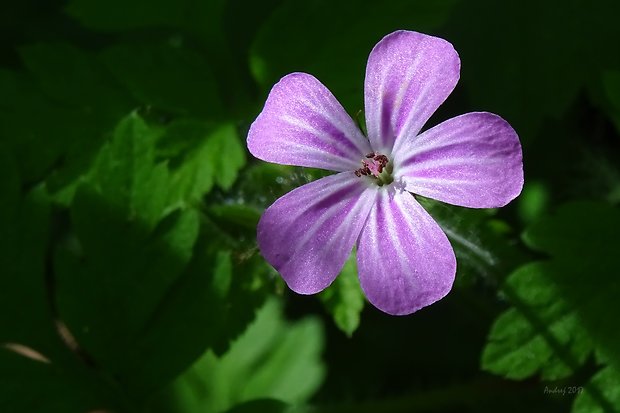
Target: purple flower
(405,260)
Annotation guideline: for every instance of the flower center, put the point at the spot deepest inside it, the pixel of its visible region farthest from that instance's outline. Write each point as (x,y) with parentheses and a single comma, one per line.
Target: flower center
(377,167)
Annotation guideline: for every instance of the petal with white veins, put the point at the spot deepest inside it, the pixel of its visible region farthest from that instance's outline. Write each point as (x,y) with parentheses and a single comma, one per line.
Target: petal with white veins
(404,259)
(473,160)
(408,76)
(303,124)
(308,234)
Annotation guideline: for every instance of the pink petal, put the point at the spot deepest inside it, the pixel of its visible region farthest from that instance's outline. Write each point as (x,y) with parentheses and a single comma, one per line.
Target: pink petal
(303,124)
(473,160)
(408,77)
(308,234)
(405,261)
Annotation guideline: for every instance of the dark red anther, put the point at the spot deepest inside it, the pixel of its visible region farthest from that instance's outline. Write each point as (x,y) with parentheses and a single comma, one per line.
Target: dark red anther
(382,159)
(374,166)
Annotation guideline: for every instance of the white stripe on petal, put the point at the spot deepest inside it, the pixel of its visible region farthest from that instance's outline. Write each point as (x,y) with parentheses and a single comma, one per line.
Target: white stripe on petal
(472,160)
(405,261)
(308,234)
(299,113)
(408,77)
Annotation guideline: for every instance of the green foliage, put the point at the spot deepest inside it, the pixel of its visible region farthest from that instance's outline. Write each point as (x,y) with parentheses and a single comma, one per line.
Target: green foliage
(57,114)
(132,253)
(266,406)
(484,245)
(337,53)
(611,83)
(29,384)
(344,299)
(203,155)
(608,380)
(129,270)
(550,341)
(118,15)
(511,43)
(272,359)
(133,265)
(169,76)
(561,305)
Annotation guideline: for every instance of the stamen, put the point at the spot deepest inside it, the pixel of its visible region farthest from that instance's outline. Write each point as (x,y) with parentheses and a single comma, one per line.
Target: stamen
(376,166)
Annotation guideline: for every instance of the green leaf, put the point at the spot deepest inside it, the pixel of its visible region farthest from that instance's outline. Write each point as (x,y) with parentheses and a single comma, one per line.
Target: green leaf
(137,263)
(37,145)
(25,317)
(542,334)
(483,245)
(561,305)
(56,116)
(119,15)
(167,76)
(344,299)
(109,289)
(238,215)
(213,156)
(336,54)
(582,239)
(588,401)
(76,77)
(31,386)
(498,43)
(126,175)
(39,373)
(128,251)
(272,359)
(611,83)
(261,406)
(122,15)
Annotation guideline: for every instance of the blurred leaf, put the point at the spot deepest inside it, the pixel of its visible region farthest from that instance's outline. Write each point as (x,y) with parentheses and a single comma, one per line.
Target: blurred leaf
(119,15)
(170,77)
(37,145)
(272,359)
(75,77)
(239,215)
(344,299)
(212,155)
(611,83)
(125,257)
(110,288)
(518,58)
(29,386)
(25,316)
(542,334)
(57,116)
(261,406)
(561,305)
(126,174)
(582,239)
(607,379)
(336,54)
(39,373)
(220,29)
(137,264)
(533,201)
(484,246)
(262,183)
(210,304)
